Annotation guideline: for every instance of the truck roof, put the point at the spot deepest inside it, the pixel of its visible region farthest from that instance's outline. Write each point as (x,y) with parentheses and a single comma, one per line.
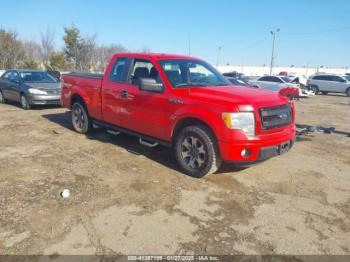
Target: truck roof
(158,56)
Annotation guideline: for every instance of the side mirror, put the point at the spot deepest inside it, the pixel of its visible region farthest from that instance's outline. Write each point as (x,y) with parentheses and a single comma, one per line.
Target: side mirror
(150,84)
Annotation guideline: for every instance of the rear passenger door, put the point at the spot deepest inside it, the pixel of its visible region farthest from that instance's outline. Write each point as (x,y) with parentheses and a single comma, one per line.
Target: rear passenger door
(111,92)
(339,84)
(325,83)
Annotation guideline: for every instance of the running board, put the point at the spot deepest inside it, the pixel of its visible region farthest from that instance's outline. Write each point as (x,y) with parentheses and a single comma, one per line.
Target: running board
(115,133)
(148,144)
(150,141)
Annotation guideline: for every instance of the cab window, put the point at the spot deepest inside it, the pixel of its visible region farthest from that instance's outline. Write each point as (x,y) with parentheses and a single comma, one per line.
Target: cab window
(120,70)
(142,68)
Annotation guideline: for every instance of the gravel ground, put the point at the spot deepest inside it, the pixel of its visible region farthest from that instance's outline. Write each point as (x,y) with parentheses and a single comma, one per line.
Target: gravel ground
(128,199)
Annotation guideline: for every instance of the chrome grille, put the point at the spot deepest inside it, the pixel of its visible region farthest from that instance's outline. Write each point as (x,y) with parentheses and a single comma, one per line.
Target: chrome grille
(274,117)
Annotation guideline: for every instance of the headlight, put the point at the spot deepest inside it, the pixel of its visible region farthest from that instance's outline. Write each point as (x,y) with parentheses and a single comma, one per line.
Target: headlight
(37,91)
(244,121)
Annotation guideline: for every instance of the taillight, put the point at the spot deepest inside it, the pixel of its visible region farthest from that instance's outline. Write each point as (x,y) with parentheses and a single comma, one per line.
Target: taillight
(290,92)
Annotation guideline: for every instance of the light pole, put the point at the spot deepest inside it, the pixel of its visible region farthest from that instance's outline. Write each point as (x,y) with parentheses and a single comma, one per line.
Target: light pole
(218,57)
(273,33)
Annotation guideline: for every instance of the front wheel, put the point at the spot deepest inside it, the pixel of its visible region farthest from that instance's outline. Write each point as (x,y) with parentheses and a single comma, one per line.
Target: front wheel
(2,98)
(315,89)
(24,103)
(81,121)
(196,151)
(348,92)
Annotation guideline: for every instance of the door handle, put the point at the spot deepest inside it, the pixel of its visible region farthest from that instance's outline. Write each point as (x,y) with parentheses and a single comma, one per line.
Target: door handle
(124,94)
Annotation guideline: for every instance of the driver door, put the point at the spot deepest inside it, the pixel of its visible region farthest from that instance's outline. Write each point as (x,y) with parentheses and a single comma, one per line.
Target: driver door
(144,112)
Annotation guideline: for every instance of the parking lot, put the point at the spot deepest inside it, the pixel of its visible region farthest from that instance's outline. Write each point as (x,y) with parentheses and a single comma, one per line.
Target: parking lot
(125,198)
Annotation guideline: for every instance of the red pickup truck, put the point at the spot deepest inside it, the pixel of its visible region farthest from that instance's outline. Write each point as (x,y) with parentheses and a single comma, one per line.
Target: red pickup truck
(184,103)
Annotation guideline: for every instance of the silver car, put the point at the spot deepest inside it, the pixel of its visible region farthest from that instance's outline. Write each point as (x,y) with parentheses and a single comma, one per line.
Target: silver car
(330,84)
(29,87)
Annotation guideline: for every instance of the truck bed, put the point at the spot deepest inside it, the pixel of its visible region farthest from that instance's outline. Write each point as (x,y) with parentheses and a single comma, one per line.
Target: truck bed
(88,86)
(86,75)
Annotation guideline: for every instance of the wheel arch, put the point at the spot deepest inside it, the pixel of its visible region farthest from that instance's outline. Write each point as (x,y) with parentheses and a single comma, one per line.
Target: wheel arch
(190,121)
(78,98)
(347,90)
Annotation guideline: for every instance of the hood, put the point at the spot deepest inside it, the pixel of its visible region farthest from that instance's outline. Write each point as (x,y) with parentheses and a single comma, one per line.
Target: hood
(236,95)
(44,86)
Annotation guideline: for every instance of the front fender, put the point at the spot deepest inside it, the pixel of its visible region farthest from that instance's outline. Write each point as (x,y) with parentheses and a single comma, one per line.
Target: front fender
(209,117)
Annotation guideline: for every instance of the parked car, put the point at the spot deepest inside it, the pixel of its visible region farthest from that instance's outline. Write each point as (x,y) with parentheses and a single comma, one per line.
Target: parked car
(1,72)
(29,87)
(233,74)
(276,83)
(326,83)
(185,103)
(299,79)
(236,81)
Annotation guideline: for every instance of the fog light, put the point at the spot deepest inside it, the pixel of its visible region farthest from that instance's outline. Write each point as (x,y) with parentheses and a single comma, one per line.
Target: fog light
(246,152)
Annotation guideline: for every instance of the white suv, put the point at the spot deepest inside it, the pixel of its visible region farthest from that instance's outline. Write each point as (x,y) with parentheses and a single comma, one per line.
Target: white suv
(330,83)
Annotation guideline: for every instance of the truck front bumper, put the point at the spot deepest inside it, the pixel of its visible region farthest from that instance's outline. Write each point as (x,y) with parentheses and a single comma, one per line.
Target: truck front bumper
(249,152)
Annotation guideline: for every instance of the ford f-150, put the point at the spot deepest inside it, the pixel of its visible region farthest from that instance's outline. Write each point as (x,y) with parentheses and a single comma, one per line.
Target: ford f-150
(184,103)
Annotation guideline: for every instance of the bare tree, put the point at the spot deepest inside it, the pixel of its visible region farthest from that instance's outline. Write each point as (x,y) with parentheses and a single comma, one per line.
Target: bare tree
(86,53)
(32,50)
(104,53)
(11,49)
(146,50)
(47,46)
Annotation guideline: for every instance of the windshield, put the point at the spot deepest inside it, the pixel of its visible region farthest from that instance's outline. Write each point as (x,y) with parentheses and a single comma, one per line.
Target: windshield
(190,73)
(347,77)
(37,77)
(285,79)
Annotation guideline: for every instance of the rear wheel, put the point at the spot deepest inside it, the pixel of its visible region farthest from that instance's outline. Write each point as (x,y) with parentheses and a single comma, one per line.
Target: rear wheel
(24,102)
(314,89)
(2,98)
(348,92)
(81,121)
(196,151)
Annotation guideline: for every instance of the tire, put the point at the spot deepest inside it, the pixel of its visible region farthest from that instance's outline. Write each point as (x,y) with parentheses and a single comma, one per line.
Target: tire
(347,92)
(81,120)
(324,93)
(196,151)
(2,98)
(314,89)
(24,102)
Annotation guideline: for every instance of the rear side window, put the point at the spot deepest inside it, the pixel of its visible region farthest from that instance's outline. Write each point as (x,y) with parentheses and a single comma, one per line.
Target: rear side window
(7,75)
(265,78)
(275,79)
(323,78)
(120,70)
(270,79)
(337,79)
